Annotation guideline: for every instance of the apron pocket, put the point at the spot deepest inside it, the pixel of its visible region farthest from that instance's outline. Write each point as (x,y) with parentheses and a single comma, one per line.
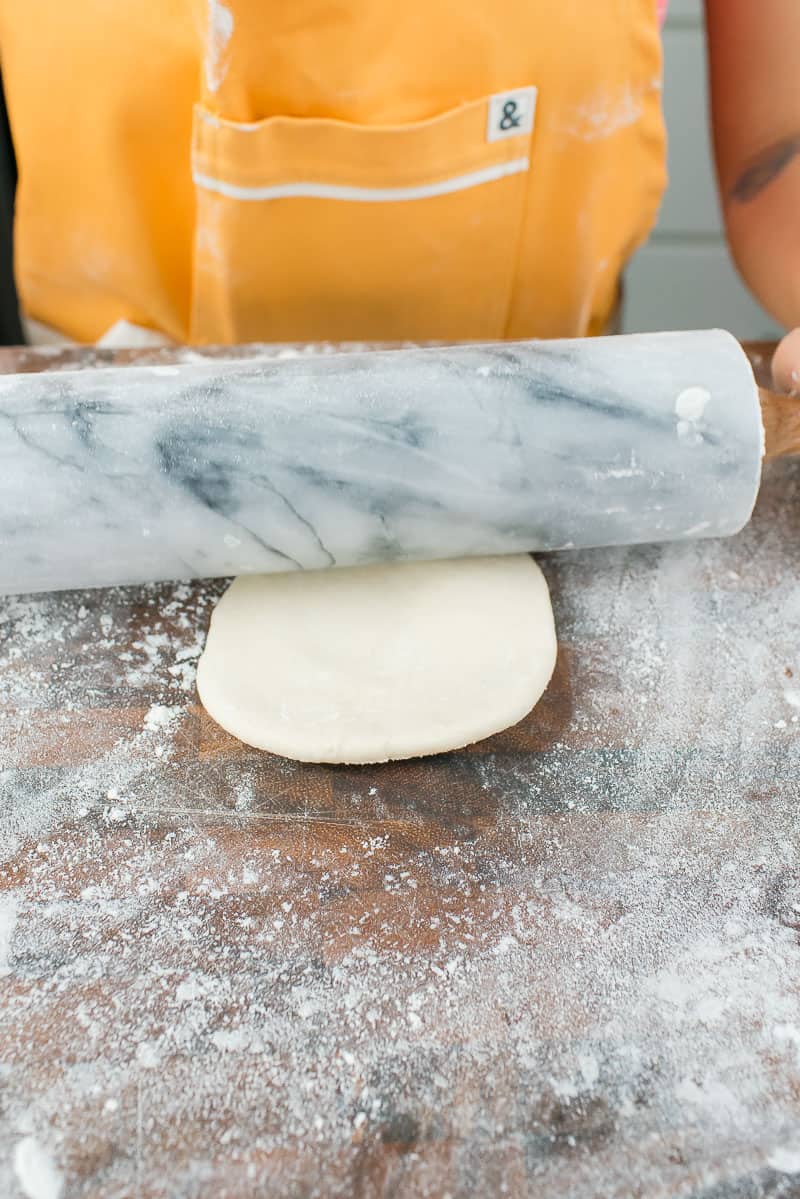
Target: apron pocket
(321,230)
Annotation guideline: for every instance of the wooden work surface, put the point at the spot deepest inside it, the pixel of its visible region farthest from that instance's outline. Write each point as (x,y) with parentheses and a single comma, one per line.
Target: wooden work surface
(561,963)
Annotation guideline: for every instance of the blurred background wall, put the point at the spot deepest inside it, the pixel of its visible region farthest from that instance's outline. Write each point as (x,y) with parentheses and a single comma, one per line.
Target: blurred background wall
(684,277)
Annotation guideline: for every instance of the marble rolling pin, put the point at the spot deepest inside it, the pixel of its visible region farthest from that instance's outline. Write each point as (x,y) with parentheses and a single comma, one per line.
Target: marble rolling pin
(131,474)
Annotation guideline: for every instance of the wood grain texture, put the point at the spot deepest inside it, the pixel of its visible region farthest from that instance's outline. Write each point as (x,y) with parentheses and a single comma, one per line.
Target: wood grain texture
(564,961)
(781,417)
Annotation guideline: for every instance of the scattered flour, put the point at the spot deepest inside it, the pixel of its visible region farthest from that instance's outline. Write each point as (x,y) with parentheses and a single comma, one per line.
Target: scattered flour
(689,409)
(8,920)
(147,1055)
(69,708)
(692,403)
(785,1161)
(269,978)
(606,113)
(220,31)
(159,717)
(35,1170)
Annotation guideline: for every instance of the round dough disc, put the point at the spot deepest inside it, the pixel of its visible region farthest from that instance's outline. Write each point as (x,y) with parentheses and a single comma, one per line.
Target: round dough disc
(372,663)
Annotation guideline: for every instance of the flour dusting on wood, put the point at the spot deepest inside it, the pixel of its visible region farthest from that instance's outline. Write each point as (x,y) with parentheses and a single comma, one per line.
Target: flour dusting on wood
(569,953)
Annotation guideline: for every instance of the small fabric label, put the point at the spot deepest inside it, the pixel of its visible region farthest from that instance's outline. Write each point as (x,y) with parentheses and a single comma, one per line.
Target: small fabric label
(511,114)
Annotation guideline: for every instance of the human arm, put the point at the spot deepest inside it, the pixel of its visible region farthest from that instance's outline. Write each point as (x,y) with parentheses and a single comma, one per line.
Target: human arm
(754,51)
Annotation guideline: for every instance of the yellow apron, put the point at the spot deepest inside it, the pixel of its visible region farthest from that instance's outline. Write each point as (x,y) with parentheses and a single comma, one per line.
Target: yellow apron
(265,170)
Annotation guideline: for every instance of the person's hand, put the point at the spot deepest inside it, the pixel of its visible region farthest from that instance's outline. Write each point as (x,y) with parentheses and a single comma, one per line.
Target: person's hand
(786,364)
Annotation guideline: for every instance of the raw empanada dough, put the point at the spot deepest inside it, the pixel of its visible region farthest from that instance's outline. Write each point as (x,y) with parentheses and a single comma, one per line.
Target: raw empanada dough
(373,663)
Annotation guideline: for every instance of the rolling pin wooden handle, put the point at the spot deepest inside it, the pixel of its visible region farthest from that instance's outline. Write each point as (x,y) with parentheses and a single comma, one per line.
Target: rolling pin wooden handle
(781,417)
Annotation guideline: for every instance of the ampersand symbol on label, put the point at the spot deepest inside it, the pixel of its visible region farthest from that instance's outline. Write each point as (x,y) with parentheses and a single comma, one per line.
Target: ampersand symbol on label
(510,118)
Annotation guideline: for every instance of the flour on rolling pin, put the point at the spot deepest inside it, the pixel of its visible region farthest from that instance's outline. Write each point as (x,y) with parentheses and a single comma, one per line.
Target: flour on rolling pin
(689,408)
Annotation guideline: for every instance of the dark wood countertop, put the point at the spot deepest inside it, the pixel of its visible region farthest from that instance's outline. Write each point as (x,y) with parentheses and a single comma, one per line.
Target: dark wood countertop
(561,963)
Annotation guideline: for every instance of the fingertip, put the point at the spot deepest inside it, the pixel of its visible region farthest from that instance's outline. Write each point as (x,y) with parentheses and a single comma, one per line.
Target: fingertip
(786,364)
